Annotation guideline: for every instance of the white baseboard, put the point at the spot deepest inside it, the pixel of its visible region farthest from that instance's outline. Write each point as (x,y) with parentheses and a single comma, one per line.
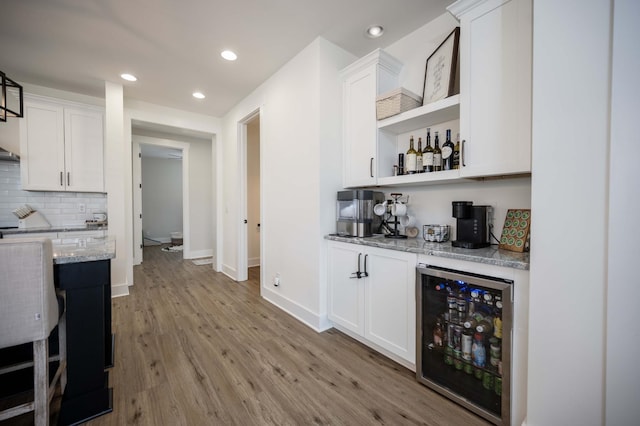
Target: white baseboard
(196,254)
(119,290)
(377,348)
(230,272)
(253,261)
(317,322)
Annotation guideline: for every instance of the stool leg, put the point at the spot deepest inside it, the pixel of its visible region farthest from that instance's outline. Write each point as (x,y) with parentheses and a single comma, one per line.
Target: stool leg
(62,345)
(41,382)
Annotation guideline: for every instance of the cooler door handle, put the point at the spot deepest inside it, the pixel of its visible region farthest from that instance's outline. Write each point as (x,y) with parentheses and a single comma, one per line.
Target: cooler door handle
(462,153)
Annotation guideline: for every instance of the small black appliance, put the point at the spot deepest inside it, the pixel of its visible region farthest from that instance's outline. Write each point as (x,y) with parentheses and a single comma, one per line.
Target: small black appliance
(472,230)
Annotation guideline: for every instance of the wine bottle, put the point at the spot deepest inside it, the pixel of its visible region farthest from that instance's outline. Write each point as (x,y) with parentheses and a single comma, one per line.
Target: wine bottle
(456,153)
(437,155)
(485,325)
(447,152)
(427,154)
(410,158)
(419,158)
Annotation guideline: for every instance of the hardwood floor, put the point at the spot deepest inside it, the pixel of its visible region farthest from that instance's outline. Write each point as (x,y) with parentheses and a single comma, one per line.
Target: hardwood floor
(194,347)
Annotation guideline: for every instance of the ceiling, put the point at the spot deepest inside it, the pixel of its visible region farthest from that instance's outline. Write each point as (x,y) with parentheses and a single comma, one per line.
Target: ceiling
(173,46)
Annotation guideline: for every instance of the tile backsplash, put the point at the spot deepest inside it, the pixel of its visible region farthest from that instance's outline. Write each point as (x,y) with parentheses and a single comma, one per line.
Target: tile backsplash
(59,208)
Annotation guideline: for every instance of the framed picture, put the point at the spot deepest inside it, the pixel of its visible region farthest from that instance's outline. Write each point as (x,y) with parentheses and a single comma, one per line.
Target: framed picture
(440,74)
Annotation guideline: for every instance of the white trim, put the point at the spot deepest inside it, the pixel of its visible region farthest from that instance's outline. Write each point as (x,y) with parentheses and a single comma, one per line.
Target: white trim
(119,290)
(253,261)
(197,254)
(229,271)
(242,254)
(316,321)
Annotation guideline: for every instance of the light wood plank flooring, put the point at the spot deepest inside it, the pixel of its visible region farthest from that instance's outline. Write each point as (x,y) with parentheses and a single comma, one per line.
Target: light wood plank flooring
(194,347)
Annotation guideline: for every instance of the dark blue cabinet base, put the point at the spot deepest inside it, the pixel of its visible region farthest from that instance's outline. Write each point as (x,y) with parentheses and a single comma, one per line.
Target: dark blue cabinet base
(89,340)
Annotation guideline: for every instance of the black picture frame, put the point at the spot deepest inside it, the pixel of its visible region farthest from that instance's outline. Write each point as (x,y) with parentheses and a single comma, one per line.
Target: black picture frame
(441,68)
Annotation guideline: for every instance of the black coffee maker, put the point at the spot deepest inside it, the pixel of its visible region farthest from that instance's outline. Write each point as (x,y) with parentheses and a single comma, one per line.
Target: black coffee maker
(472,229)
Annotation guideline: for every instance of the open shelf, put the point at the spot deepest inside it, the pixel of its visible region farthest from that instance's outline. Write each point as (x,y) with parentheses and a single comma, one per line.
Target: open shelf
(446,109)
(445,176)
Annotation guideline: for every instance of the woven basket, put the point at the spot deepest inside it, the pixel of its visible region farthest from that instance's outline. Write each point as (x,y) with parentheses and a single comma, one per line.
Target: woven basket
(397,101)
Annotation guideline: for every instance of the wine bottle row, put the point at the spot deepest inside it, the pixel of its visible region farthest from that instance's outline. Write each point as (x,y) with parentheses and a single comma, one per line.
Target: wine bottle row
(431,159)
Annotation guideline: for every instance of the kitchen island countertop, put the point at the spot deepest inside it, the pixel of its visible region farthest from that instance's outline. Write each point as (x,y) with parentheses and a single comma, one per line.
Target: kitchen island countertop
(76,250)
(7,232)
(489,255)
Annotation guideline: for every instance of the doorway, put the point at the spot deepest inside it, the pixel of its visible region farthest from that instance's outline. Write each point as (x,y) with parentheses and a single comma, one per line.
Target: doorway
(160,194)
(250,253)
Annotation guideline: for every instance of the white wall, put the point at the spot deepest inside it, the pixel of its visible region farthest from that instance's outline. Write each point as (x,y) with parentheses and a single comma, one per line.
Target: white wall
(253,192)
(622,382)
(161,197)
(570,189)
(300,118)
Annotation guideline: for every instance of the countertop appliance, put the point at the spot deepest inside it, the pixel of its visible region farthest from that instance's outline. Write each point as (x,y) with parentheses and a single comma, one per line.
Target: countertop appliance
(354,213)
(29,218)
(472,229)
(464,339)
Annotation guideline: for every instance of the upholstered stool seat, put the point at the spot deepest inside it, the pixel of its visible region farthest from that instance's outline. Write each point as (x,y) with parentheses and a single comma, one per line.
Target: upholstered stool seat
(29,311)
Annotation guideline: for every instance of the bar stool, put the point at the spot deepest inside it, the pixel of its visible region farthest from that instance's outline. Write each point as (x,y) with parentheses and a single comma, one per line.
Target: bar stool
(29,311)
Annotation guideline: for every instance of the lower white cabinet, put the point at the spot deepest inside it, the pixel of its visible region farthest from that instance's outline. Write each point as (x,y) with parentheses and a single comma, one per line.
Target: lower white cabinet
(379,307)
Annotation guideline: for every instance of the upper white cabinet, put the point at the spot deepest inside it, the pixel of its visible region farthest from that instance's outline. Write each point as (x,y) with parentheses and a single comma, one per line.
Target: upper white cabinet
(363,80)
(62,147)
(378,306)
(495,86)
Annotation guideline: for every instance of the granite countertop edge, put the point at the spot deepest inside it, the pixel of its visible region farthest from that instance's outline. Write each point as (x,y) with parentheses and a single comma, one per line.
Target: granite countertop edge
(489,255)
(68,228)
(83,250)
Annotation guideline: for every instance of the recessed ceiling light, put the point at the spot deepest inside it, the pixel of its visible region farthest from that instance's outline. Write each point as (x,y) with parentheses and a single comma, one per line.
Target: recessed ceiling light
(374,31)
(229,55)
(198,95)
(129,77)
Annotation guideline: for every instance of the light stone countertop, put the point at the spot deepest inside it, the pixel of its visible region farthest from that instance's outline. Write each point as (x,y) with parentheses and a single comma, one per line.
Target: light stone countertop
(67,228)
(489,255)
(76,250)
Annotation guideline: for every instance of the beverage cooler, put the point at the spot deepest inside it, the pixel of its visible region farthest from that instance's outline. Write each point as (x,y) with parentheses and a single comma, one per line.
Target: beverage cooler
(464,330)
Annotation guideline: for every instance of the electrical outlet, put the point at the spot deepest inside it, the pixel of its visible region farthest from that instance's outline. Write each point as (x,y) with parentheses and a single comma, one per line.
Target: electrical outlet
(276,280)
(82,208)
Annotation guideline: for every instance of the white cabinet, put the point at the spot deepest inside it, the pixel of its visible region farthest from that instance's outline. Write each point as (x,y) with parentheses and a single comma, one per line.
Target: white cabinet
(61,147)
(363,80)
(379,307)
(495,86)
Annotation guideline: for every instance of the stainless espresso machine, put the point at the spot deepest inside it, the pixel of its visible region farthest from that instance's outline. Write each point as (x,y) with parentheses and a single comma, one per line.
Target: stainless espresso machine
(354,213)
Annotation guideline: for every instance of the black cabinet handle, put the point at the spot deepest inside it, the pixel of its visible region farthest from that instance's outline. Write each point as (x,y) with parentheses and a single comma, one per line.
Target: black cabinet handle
(357,274)
(371,167)
(68,178)
(365,273)
(61,182)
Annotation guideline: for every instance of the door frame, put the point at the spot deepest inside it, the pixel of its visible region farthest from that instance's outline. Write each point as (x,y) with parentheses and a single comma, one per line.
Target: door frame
(137,193)
(243,254)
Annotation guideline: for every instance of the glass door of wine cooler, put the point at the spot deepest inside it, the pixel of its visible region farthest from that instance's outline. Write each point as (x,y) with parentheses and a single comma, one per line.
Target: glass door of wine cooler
(464,324)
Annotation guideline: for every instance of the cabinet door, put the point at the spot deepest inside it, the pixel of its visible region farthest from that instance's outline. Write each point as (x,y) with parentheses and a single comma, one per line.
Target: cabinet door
(360,131)
(84,152)
(495,88)
(42,147)
(390,301)
(346,298)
